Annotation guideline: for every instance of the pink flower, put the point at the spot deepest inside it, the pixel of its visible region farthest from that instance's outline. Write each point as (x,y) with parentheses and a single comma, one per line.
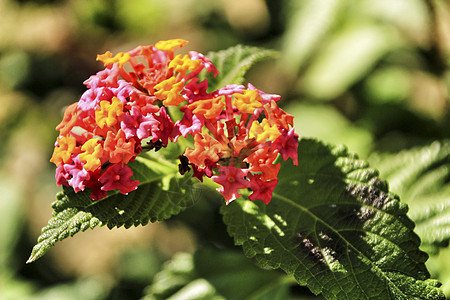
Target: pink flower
(78,173)
(231,180)
(106,77)
(124,91)
(90,99)
(61,176)
(189,124)
(117,177)
(205,62)
(266,97)
(287,144)
(229,90)
(135,124)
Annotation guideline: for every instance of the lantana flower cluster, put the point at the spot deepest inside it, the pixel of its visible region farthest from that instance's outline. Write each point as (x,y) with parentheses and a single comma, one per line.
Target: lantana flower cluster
(238,132)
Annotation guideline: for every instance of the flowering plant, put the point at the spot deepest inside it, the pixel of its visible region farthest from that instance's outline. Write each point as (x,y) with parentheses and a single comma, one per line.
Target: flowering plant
(124,112)
(331,223)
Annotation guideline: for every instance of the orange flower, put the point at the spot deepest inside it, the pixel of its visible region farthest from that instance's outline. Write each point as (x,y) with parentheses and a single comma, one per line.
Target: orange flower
(277,116)
(117,147)
(205,147)
(209,108)
(262,161)
(169,91)
(62,153)
(70,119)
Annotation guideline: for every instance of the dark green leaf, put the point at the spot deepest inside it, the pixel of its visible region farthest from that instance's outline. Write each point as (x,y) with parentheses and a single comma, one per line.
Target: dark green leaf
(11,222)
(421,176)
(334,226)
(234,63)
(161,194)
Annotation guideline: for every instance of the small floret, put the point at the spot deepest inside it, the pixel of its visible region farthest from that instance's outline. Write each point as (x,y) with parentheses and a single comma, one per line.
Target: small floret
(231,180)
(248,101)
(263,131)
(109,112)
(208,108)
(107,59)
(169,45)
(91,154)
(118,177)
(64,149)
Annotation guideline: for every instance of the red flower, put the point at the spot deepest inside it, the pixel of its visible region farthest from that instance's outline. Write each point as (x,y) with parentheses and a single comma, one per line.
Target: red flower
(262,189)
(117,177)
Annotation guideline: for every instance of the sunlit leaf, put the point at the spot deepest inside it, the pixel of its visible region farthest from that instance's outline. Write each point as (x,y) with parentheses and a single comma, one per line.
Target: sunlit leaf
(161,194)
(333,225)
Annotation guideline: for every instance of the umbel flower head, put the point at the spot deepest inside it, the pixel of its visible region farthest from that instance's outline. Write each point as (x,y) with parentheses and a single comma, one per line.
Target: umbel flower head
(238,131)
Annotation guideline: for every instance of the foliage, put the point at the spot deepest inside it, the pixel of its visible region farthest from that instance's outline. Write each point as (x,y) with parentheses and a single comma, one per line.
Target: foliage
(333,225)
(187,275)
(421,177)
(372,75)
(336,228)
(233,63)
(162,193)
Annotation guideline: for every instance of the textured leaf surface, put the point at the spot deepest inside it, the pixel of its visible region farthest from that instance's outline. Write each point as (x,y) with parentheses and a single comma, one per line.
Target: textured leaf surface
(161,194)
(421,176)
(234,63)
(334,226)
(216,274)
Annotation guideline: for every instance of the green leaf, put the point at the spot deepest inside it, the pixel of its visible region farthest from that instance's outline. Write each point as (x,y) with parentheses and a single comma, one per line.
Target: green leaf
(162,193)
(307,27)
(176,280)
(345,58)
(421,176)
(234,63)
(216,274)
(89,288)
(11,222)
(334,226)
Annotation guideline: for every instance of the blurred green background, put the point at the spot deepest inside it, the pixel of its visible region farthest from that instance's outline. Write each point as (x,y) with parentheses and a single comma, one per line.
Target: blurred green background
(373,75)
